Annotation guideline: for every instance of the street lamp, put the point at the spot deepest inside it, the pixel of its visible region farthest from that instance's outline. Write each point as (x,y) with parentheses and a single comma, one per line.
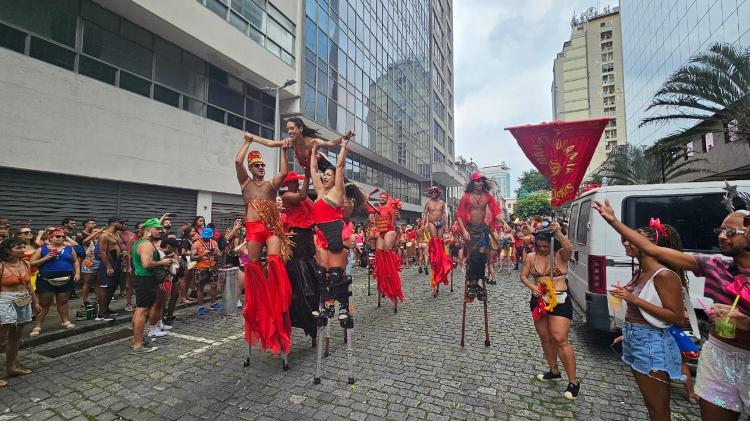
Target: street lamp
(277,114)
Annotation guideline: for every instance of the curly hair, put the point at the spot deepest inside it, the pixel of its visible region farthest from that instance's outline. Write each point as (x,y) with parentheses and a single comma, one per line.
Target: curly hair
(671,240)
(6,246)
(470,186)
(353,192)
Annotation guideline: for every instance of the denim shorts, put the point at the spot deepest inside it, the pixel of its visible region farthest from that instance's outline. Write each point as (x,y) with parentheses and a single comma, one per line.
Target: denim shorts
(10,313)
(646,348)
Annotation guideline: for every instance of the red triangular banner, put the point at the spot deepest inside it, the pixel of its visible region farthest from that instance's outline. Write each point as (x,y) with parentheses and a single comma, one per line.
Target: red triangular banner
(561,151)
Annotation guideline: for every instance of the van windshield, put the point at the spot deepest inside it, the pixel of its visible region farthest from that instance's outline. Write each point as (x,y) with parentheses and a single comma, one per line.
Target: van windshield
(694,216)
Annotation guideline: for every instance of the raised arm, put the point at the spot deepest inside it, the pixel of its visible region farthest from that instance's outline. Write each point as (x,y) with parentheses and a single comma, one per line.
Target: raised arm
(334,142)
(239,160)
(283,168)
(268,142)
(668,256)
(314,174)
(566,249)
(340,164)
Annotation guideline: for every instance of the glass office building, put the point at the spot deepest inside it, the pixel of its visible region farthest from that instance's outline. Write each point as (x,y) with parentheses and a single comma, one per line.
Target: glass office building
(366,67)
(658,37)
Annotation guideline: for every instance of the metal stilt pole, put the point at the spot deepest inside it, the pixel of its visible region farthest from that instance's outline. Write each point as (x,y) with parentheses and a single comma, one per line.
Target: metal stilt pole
(247,360)
(321,321)
(486,319)
(328,338)
(285,361)
(463,317)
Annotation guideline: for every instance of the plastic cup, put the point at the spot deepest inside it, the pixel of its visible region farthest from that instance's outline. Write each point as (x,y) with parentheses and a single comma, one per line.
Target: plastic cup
(615,303)
(725,328)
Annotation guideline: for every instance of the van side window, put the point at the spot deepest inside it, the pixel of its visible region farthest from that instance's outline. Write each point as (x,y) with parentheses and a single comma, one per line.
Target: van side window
(572,222)
(582,232)
(693,215)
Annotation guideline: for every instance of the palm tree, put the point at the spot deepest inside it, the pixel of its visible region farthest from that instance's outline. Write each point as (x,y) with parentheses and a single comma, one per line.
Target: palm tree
(711,90)
(630,164)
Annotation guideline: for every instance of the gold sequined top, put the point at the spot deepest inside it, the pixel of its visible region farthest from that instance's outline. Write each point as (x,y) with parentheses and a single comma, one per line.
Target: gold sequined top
(269,217)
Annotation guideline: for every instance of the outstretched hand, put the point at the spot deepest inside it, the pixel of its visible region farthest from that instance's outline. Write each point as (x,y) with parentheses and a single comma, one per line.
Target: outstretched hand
(248,137)
(350,134)
(605,210)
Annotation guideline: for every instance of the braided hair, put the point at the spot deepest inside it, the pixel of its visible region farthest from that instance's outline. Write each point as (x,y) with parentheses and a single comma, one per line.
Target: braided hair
(671,240)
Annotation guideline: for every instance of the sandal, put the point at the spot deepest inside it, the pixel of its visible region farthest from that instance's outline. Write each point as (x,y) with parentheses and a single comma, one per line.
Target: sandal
(68,325)
(129,307)
(187,301)
(3,383)
(35,331)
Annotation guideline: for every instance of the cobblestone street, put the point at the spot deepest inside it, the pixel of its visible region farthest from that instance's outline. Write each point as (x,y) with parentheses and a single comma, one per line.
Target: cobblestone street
(408,366)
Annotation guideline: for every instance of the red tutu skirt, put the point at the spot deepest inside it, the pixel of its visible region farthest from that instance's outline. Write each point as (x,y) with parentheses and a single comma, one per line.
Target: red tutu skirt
(267,303)
(440,262)
(387,268)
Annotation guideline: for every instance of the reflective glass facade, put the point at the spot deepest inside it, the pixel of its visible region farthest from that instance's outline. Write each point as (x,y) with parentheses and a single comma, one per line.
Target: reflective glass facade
(366,67)
(85,38)
(661,36)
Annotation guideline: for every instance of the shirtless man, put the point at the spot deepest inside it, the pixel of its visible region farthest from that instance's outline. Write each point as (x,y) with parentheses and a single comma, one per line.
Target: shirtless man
(267,300)
(302,139)
(434,212)
(476,212)
(110,268)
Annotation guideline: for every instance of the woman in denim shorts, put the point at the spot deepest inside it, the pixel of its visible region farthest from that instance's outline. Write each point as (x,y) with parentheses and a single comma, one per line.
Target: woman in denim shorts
(647,347)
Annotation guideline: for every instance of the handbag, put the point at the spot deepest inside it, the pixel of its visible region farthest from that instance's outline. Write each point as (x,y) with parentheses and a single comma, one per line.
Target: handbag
(58,282)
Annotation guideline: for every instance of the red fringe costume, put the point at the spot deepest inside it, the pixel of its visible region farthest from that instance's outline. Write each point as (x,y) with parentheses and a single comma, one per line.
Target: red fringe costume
(387,262)
(440,262)
(267,299)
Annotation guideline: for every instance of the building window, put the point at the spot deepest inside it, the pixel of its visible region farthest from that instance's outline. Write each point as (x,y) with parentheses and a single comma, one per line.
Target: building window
(608,90)
(438,106)
(610,134)
(438,133)
(612,122)
(609,67)
(606,57)
(708,142)
(608,79)
(610,111)
(438,156)
(607,46)
(733,131)
(689,153)
(606,35)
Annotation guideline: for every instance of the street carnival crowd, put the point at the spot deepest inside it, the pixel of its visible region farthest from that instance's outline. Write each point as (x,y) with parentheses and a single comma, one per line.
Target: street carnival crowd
(297,256)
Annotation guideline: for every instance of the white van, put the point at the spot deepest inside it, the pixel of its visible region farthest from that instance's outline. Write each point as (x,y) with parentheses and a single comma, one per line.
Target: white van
(599,261)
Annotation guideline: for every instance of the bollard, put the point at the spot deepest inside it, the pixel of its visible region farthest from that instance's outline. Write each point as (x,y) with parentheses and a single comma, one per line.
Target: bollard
(230,277)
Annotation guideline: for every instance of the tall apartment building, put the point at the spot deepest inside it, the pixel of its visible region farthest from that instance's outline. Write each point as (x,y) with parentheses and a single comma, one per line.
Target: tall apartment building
(136,107)
(658,39)
(588,77)
(500,176)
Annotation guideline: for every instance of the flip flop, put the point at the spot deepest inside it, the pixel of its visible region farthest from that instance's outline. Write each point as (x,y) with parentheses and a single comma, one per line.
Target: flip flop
(68,325)
(35,331)
(129,307)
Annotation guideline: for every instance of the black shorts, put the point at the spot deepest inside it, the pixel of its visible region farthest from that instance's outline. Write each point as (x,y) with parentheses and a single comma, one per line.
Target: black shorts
(44,286)
(562,309)
(454,250)
(145,291)
(106,281)
(206,276)
(333,234)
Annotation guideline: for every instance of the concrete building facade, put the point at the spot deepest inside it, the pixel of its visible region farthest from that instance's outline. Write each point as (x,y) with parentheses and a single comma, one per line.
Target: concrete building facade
(137,107)
(588,77)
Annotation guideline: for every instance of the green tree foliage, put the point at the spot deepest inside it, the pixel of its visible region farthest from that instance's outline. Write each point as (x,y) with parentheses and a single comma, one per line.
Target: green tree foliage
(532,205)
(531,181)
(710,91)
(629,164)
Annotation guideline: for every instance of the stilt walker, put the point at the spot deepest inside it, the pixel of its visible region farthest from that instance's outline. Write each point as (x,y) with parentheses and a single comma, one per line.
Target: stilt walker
(333,239)
(387,261)
(267,298)
(437,220)
(301,266)
(477,212)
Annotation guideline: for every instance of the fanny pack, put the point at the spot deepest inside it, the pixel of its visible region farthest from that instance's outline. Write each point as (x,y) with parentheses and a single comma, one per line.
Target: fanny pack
(22,299)
(58,282)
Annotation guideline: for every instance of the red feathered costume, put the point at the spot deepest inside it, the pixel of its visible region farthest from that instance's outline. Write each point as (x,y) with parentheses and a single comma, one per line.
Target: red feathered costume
(387,262)
(464,209)
(440,262)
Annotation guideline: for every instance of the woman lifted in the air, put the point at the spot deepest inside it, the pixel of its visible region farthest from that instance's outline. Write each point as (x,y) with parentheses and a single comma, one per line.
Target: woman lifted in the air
(302,139)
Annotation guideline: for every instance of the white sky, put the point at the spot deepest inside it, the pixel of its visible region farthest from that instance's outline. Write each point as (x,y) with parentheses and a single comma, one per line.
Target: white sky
(504,53)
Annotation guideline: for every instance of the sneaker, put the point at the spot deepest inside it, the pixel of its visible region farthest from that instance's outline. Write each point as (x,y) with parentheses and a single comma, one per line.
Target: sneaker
(343,312)
(549,376)
(104,319)
(113,314)
(155,332)
(472,290)
(162,326)
(571,393)
(215,306)
(145,348)
(168,321)
(201,311)
(239,303)
(426,271)
(420,269)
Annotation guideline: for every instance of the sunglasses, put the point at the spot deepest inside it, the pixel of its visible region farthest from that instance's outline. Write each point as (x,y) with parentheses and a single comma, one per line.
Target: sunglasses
(259,165)
(25,232)
(729,232)
(58,236)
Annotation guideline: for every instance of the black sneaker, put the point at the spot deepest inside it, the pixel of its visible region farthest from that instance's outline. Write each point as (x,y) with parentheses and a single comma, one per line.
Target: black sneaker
(426,271)
(420,269)
(571,393)
(472,290)
(549,376)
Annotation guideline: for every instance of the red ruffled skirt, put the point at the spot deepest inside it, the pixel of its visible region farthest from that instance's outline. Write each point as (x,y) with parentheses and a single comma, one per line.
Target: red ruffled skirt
(267,303)
(440,262)
(387,268)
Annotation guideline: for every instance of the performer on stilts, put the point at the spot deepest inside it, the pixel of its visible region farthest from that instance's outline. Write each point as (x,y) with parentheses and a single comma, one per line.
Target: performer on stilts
(437,221)
(332,252)
(301,266)
(387,261)
(477,212)
(267,299)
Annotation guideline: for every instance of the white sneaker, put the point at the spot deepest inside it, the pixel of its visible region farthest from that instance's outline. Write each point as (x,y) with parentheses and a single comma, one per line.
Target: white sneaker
(155,332)
(162,326)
